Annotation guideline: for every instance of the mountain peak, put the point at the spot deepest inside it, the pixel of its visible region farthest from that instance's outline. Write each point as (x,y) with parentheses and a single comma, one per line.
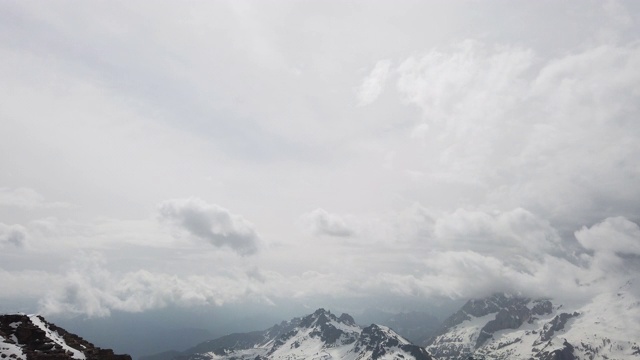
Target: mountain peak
(320,335)
(321,311)
(31,337)
(346,319)
(515,327)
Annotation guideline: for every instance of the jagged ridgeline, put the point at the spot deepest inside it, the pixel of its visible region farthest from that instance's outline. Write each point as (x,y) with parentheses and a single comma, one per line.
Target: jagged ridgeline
(321,335)
(504,326)
(31,337)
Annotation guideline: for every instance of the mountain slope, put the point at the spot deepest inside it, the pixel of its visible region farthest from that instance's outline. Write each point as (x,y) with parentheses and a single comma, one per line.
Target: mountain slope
(512,327)
(414,326)
(321,335)
(31,337)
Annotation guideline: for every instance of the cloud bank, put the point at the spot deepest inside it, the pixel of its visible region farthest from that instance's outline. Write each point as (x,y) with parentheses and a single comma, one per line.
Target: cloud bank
(456,154)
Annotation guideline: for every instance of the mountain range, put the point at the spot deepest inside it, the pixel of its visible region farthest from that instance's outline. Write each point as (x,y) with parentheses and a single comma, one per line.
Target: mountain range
(321,335)
(501,326)
(505,326)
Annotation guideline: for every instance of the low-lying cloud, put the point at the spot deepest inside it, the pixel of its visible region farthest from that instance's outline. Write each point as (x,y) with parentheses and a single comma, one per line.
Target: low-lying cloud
(211,223)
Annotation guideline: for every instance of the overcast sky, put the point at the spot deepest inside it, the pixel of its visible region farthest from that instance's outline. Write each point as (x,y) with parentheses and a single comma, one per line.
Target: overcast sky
(157,154)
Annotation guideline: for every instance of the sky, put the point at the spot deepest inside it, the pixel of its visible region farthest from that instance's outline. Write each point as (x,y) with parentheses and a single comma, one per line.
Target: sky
(296,154)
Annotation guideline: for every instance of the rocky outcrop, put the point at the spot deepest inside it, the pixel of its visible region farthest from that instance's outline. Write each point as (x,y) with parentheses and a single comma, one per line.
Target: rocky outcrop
(511,317)
(378,340)
(556,324)
(33,338)
(566,353)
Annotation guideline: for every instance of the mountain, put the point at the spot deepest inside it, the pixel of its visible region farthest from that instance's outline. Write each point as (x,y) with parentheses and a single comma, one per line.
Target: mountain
(504,326)
(31,337)
(321,336)
(414,326)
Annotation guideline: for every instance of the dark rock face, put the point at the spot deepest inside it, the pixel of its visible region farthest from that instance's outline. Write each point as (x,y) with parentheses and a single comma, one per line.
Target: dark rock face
(510,317)
(375,339)
(542,307)
(566,353)
(346,319)
(556,324)
(18,329)
(321,322)
(510,311)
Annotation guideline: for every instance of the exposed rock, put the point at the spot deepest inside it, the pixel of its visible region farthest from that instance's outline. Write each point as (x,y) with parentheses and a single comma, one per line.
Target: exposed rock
(566,353)
(556,324)
(320,335)
(542,307)
(37,344)
(510,317)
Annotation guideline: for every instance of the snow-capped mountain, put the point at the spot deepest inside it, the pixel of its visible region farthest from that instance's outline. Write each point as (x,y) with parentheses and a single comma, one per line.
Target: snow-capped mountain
(321,335)
(31,337)
(513,327)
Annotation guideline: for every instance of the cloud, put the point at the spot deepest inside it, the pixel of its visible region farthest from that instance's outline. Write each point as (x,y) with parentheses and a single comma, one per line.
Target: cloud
(27,198)
(514,127)
(320,222)
(472,81)
(211,223)
(89,288)
(618,235)
(14,235)
(513,251)
(517,232)
(373,84)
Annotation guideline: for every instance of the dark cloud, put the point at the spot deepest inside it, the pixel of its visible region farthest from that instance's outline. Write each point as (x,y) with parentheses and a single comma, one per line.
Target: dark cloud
(13,235)
(212,223)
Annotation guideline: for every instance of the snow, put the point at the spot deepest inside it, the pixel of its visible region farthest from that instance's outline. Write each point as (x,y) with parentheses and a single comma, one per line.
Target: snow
(55,337)
(608,326)
(10,350)
(390,333)
(344,327)
(305,346)
(464,335)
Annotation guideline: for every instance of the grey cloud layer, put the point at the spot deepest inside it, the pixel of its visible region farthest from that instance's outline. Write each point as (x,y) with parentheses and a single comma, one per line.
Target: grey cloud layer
(211,223)
(15,235)
(555,136)
(446,166)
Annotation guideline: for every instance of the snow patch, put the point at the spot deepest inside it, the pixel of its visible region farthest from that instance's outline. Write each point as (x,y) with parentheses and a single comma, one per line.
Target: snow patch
(55,337)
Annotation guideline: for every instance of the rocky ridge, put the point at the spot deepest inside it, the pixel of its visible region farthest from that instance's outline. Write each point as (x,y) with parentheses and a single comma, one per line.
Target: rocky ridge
(31,337)
(321,336)
(505,326)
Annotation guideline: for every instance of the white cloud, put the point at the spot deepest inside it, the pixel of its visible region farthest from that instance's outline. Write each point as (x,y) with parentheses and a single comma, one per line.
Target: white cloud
(502,234)
(510,144)
(211,223)
(515,127)
(27,198)
(89,288)
(420,131)
(14,235)
(617,235)
(321,222)
(466,86)
(373,84)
